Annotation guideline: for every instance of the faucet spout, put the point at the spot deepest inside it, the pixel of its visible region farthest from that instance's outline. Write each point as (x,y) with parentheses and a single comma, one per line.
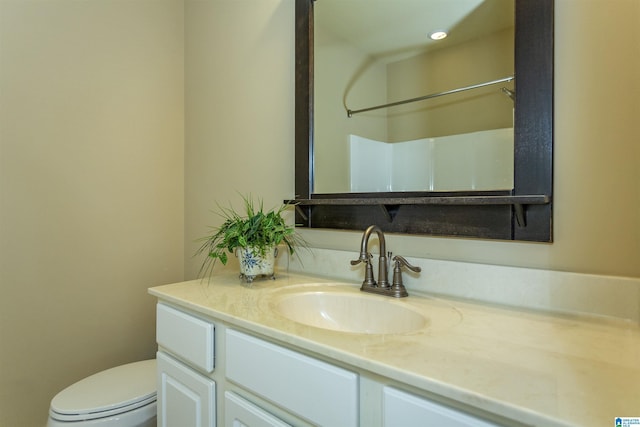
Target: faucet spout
(383,281)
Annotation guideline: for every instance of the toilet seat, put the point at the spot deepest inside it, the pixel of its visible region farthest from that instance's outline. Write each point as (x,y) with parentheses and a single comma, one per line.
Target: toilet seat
(107,393)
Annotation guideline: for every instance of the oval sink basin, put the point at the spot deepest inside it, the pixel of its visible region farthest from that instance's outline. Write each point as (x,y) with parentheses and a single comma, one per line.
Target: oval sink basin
(350,312)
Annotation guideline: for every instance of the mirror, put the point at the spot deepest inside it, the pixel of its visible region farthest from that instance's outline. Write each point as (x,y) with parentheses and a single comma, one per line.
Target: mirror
(521,211)
(386,56)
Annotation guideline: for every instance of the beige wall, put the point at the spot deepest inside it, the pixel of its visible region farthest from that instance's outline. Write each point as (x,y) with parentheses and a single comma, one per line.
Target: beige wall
(91,141)
(91,189)
(597,156)
(239,108)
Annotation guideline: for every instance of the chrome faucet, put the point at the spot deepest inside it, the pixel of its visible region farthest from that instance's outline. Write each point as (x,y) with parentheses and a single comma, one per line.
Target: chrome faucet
(396,289)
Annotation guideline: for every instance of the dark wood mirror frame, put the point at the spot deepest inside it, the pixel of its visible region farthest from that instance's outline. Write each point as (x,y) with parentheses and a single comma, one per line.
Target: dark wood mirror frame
(525,213)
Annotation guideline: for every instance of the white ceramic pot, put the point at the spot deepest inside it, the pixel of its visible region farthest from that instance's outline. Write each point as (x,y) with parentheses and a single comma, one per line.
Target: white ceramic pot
(253,264)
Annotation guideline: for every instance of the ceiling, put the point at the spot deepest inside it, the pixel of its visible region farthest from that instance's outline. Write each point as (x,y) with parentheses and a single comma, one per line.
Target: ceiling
(390,27)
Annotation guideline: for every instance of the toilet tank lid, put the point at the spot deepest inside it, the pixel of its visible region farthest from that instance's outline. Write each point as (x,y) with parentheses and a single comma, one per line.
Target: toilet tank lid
(108,390)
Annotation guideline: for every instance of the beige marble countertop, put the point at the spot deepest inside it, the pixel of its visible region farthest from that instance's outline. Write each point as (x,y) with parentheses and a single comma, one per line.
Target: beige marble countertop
(537,368)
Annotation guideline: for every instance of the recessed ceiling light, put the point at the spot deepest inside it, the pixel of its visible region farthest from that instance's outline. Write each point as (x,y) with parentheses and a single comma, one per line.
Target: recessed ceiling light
(438,35)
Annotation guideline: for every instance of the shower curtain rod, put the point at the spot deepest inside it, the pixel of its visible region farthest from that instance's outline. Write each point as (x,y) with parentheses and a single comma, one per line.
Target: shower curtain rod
(433,95)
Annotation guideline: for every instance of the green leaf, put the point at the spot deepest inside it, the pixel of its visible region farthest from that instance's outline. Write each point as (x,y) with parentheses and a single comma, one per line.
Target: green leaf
(255,228)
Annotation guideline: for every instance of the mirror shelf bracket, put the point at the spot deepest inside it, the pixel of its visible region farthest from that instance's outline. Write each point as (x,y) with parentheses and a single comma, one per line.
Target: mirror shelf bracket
(521,219)
(299,210)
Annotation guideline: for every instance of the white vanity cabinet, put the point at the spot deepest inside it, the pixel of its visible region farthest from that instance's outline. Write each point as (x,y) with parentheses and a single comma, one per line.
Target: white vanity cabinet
(211,372)
(186,396)
(304,390)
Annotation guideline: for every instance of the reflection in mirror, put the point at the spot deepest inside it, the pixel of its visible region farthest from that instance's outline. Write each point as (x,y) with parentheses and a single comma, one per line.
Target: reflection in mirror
(370,53)
(520,209)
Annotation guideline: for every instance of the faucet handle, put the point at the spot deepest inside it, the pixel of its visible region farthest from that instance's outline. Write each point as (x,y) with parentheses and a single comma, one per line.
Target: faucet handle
(397,288)
(401,261)
(364,257)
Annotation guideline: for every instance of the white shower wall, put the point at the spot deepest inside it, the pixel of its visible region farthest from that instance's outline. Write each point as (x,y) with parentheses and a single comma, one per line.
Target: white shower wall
(472,161)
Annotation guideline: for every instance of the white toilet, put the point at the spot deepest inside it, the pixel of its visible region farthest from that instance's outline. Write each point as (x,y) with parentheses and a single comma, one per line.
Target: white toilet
(124,396)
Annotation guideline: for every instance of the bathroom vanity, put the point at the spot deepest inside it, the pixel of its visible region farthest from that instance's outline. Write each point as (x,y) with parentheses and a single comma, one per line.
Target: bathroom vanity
(263,356)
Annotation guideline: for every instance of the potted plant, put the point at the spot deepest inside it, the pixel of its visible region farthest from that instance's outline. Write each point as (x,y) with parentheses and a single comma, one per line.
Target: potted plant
(253,235)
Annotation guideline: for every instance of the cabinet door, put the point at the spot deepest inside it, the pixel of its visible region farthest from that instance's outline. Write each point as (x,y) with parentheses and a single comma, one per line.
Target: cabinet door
(185,398)
(404,409)
(241,413)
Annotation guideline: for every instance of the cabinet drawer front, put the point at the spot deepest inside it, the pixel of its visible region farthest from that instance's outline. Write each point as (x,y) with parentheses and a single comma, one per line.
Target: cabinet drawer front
(239,412)
(317,391)
(186,336)
(404,409)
